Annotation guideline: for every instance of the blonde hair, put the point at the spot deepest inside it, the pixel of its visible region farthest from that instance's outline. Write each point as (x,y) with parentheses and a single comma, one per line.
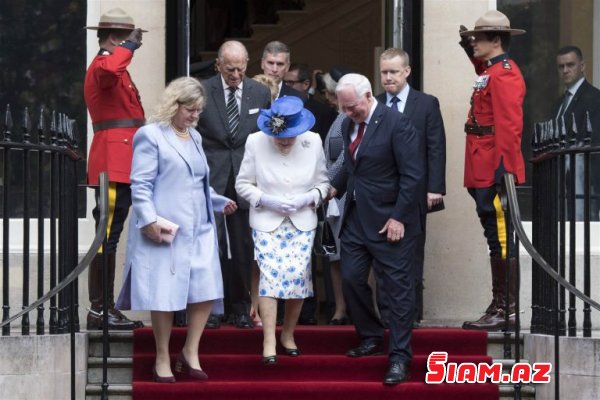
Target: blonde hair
(395,52)
(268,82)
(184,91)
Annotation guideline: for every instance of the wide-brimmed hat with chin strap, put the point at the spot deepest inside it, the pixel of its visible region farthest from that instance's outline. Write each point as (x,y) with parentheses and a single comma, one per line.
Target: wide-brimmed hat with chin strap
(493,21)
(286,118)
(115,18)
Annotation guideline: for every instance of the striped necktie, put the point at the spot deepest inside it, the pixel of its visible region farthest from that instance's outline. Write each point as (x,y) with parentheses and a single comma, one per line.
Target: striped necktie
(233,114)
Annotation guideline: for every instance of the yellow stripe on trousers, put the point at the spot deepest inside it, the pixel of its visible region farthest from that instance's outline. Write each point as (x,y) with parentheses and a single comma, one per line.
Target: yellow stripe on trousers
(112,199)
(500,225)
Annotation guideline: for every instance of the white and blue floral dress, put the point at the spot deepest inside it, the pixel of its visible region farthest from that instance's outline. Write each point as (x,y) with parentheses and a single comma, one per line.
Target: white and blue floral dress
(283,258)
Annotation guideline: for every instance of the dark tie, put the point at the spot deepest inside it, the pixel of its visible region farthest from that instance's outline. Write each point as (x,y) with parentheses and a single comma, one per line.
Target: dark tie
(233,114)
(394,101)
(354,145)
(563,106)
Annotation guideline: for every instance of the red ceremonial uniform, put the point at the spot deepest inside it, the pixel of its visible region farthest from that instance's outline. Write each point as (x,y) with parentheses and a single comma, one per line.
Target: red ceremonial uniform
(112,100)
(495,123)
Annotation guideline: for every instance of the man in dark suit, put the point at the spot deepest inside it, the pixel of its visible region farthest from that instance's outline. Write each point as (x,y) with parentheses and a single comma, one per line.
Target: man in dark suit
(275,63)
(580,99)
(382,176)
(232,106)
(423,110)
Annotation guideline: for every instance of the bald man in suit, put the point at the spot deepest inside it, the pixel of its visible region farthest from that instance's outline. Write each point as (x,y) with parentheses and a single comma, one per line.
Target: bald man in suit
(233,102)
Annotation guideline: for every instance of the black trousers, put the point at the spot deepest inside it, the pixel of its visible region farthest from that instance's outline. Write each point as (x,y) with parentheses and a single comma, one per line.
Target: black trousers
(119,202)
(236,270)
(393,267)
(493,221)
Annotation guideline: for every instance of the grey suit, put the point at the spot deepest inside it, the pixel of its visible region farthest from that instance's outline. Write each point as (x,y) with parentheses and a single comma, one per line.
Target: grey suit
(225,153)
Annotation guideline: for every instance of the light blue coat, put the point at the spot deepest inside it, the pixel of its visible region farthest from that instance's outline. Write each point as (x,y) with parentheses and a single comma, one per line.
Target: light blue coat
(165,277)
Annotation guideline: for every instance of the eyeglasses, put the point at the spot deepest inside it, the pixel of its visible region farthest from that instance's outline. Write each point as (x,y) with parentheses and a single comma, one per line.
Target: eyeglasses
(292,83)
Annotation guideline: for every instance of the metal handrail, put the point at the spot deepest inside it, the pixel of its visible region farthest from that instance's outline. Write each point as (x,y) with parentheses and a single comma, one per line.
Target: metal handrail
(87,259)
(515,215)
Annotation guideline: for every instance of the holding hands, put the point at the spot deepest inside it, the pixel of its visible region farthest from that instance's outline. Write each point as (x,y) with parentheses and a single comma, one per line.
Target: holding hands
(287,206)
(276,203)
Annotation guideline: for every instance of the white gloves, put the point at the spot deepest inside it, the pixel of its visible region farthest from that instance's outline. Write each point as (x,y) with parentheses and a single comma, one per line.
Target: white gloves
(277,203)
(285,206)
(303,200)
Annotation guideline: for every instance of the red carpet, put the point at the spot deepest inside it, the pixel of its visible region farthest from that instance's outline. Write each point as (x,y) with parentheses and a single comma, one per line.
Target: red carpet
(232,359)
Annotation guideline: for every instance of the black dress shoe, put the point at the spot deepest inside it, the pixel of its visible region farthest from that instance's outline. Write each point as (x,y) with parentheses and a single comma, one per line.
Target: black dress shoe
(244,321)
(338,321)
(214,322)
(397,372)
(291,352)
(269,360)
(116,321)
(366,349)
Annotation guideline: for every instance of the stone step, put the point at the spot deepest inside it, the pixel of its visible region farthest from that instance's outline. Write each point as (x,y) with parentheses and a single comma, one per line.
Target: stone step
(123,392)
(115,392)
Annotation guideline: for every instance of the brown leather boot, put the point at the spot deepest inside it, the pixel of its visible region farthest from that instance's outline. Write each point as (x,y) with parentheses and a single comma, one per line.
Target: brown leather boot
(116,320)
(497,321)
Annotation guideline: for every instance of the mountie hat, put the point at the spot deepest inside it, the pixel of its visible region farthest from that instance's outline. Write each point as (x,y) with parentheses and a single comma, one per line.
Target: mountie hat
(115,18)
(287,118)
(493,21)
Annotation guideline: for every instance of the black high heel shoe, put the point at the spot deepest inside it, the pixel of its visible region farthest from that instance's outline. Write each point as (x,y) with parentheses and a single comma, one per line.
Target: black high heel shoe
(291,352)
(269,360)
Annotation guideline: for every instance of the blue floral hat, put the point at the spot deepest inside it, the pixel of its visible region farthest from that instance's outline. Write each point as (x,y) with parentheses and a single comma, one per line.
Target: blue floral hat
(286,118)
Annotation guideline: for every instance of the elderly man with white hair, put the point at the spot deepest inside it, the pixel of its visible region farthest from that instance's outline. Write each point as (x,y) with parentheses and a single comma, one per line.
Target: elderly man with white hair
(382,176)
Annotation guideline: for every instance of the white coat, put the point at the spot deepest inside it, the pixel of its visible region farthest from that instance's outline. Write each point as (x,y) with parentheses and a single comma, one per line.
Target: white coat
(266,170)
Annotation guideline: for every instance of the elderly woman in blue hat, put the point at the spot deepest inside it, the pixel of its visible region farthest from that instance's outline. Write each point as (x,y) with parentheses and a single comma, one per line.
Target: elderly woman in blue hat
(283,177)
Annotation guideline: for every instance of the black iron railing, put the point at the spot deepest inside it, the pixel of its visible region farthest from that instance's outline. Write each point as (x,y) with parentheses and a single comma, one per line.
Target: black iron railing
(46,164)
(562,198)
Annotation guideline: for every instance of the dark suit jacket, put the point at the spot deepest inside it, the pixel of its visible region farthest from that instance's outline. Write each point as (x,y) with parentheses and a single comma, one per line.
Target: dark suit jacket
(224,154)
(587,98)
(324,116)
(388,173)
(423,110)
(290,91)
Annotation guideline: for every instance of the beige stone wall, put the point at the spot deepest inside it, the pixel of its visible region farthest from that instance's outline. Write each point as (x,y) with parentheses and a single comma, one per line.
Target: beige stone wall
(457,274)
(39,367)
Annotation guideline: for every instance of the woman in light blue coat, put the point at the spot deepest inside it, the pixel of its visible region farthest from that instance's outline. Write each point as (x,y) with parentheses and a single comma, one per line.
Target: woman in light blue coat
(172,268)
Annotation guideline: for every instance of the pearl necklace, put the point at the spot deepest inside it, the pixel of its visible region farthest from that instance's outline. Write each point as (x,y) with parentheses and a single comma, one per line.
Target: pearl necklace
(182,134)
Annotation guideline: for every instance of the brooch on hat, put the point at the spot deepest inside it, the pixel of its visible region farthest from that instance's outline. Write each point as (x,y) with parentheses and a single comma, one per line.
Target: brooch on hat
(277,124)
